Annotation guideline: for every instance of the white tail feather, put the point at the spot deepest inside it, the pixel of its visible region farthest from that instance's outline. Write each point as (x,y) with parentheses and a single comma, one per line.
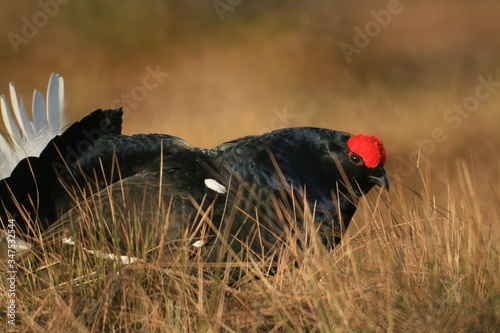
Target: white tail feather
(9,121)
(24,137)
(25,126)
(39,115)
(54,104)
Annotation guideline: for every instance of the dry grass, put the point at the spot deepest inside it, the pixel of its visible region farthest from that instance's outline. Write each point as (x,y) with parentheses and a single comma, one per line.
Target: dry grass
(414,266)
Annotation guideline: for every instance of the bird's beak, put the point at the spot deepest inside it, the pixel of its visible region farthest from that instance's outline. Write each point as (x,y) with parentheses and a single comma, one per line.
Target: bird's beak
(381,180)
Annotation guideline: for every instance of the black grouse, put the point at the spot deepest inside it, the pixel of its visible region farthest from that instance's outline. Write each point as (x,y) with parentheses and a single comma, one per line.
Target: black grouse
(156,191)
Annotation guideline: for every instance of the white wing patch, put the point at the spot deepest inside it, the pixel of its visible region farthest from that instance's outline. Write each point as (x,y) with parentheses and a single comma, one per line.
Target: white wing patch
(199,243)
(215,186)
(68,241)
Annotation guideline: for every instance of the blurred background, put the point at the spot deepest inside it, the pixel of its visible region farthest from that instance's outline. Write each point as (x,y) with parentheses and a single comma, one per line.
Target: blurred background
(422,75)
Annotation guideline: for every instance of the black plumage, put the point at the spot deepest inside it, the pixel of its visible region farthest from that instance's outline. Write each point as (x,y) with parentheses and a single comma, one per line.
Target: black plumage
(154,190)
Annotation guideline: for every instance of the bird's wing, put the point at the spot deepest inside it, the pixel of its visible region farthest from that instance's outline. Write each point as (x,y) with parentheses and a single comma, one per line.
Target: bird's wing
(114,157)
(167,204)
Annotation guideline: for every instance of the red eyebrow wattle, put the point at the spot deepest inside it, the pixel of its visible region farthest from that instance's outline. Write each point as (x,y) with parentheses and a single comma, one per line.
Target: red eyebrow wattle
(370,148)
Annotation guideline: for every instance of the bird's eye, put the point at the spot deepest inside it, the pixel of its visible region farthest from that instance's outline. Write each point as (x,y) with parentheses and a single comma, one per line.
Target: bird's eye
(355,158)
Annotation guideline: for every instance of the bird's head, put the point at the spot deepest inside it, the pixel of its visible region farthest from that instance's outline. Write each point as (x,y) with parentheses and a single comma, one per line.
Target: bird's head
(364,159)
(355,159)
(326,160)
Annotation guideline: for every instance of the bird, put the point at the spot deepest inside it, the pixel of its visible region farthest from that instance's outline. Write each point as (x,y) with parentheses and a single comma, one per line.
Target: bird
(156,192)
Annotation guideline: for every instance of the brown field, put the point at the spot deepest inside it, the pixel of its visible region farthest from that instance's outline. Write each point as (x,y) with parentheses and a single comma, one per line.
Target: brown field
(424,257)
